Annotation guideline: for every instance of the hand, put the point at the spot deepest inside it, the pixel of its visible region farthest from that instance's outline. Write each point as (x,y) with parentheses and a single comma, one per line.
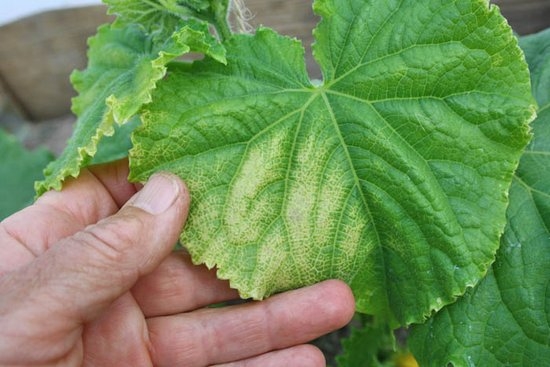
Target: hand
(87,277)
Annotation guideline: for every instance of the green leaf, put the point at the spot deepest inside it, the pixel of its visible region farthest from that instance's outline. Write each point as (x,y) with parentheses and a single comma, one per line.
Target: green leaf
(391,175)
(153,15)
(124,65)
(116,146)
(19,168)
(163,16)
(537,51)
(371,345)
(505,321)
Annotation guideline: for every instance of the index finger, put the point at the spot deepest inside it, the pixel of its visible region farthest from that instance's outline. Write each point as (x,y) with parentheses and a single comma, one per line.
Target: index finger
(97,193)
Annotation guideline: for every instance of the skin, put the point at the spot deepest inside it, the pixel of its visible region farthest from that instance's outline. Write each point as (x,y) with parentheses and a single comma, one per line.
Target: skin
(88,278)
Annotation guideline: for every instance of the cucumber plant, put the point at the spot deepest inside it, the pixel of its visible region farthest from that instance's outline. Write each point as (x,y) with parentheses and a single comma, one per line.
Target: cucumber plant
(397,172)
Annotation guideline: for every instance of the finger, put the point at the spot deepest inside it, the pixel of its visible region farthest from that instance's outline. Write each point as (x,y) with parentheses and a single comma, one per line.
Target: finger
(300,355)
(82,274)
(98,192)
(177,285)
(101,182)
(210,336)
(118,337)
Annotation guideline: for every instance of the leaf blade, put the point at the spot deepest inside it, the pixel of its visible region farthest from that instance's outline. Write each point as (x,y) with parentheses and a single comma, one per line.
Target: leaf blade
(125,63)
(295,183)
(504,320)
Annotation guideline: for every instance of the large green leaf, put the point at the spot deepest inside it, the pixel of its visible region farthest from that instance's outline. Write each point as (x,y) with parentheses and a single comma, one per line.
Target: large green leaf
(124,65)
(392,174)
(505,321)
(19,168)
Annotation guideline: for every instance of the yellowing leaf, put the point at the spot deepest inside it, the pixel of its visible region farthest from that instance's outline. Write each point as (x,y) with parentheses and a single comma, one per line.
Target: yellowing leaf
(391,175)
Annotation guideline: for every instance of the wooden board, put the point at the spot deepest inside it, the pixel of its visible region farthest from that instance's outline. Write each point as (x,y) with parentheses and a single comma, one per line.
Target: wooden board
(37,55)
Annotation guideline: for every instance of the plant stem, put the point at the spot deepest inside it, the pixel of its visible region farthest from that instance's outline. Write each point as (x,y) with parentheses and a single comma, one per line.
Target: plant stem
(220,8)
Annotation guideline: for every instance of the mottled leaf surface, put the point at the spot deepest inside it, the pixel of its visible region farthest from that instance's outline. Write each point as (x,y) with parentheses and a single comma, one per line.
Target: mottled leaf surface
(392,174)
(505,321)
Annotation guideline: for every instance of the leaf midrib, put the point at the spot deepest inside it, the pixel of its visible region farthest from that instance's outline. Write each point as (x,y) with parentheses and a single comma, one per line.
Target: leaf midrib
(357,181)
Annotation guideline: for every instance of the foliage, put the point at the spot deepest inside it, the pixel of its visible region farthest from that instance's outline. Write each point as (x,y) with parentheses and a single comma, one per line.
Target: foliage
(371,344)
(401,159)
(393,173)
(19,168)
(505,320)
(125,62)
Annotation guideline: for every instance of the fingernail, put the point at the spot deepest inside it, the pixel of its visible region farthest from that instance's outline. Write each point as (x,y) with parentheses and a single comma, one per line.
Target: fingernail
(158,194)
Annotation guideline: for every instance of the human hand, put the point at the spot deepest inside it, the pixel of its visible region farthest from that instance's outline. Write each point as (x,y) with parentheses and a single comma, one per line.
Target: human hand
(87,277)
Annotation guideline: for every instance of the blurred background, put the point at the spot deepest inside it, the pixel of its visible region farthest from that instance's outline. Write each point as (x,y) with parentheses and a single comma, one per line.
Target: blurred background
(42,41)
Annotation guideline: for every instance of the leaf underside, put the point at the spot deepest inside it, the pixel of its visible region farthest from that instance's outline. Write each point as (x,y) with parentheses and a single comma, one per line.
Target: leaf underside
(391,175)
(505,321)
(125,61)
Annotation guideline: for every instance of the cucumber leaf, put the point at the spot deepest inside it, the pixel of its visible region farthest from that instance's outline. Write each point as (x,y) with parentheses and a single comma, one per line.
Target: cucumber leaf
(162,16)
(124,65)
(116,146)
(505,321)
(370,345)
(19,168)
(153,16)
(392,174)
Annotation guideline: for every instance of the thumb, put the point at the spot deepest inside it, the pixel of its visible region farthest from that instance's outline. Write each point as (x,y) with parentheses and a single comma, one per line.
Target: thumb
(82,275)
